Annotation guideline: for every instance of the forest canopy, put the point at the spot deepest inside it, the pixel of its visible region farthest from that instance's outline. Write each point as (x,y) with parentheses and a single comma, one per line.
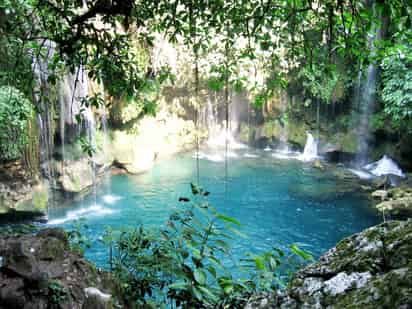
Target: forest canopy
(319,44)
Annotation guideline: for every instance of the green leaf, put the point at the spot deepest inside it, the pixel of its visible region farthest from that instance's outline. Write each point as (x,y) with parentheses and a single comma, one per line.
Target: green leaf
(206,291)
(228,219)
(197,293)
(200,276)
(299,252)
(195,189)
(259,262)
(180,285)
(212,270)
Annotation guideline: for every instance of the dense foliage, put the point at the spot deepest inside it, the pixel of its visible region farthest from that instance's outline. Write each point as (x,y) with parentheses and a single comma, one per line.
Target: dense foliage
(15,112)
(188,263)
(321,45)
(397,85)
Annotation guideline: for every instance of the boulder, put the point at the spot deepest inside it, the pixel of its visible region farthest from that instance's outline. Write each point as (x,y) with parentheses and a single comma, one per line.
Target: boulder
(41,271)
(395,202)
(23,199)
(318,164)
(380,194)
(371,269)
(75,176)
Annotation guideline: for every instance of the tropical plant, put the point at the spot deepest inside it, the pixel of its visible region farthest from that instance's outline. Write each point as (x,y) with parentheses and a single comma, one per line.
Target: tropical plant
(15,113)
(397,85)
(78,241)
(187,263)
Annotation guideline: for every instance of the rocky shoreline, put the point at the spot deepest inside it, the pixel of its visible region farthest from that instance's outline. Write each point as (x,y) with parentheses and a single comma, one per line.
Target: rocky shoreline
(371,269)
(42,271)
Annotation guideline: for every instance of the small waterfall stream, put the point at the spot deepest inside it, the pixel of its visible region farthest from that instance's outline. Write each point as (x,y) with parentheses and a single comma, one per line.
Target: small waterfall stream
(283,147)
(367,92)
(42,99)
(311,148)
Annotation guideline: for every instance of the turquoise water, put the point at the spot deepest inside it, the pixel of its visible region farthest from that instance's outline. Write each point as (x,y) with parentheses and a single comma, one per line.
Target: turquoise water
(278,202)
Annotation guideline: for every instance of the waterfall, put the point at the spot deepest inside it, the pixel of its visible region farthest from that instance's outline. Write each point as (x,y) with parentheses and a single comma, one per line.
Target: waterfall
(384,166)
(311,148)
(211,116)
(283,147)
(218,135)
(105,131)
(90,127)
(368,93)
(368,98)
(44,116)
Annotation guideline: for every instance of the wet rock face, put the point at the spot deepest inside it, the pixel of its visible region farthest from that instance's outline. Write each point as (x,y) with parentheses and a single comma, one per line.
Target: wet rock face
(42,272)
(396,202)
(20,193)
(371,269)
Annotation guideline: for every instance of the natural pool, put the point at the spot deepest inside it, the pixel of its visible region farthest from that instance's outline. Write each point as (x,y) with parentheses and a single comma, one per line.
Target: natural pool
(279,202)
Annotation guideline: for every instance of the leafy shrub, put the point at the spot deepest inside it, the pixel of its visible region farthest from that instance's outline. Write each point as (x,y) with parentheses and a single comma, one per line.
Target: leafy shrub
(57,294)
(397,85)
(15,112)
(186,264)
(78,241)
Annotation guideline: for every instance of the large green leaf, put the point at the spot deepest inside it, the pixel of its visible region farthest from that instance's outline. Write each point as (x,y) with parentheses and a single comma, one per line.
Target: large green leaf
(200,276)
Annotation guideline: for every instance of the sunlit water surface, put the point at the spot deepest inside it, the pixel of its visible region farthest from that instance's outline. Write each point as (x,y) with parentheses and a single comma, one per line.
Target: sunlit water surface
(279,202)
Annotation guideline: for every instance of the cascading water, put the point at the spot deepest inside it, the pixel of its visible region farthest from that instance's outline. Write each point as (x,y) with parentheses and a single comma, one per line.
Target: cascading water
(44,116)
(368,92)
(384,166)
(218,136)
(283,147)
(105,131)
(311,148)
(211,116)
(90,127)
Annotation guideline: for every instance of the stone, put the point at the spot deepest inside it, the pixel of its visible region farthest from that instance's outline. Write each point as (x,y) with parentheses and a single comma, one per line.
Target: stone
(95,299)
(380,194)
(395,201)
(399,207)
(318,164)
(370,269)
(39,270)
(22,198)
(76,176)
(342,282)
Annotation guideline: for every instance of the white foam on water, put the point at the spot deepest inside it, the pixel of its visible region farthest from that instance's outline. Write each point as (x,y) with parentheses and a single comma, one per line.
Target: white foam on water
(250,155)
(361,174)
(210,157)
(287,156)
(94,210)
(111,199)
(231,154)
(384,166)
(267,149)
(221,139)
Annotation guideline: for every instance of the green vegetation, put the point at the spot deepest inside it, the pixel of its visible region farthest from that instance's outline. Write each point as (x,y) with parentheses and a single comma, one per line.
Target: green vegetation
(15,112)
(57,294)
(311,48)
(187,263)
(397,90)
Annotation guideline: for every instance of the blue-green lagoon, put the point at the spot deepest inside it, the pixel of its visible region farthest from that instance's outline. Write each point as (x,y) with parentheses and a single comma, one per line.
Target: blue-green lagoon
(278,202)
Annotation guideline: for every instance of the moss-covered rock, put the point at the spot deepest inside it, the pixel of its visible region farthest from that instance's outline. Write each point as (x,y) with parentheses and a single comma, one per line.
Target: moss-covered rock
(371,269)
(23,195)
(396,201)
(41,271)
(75,176)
